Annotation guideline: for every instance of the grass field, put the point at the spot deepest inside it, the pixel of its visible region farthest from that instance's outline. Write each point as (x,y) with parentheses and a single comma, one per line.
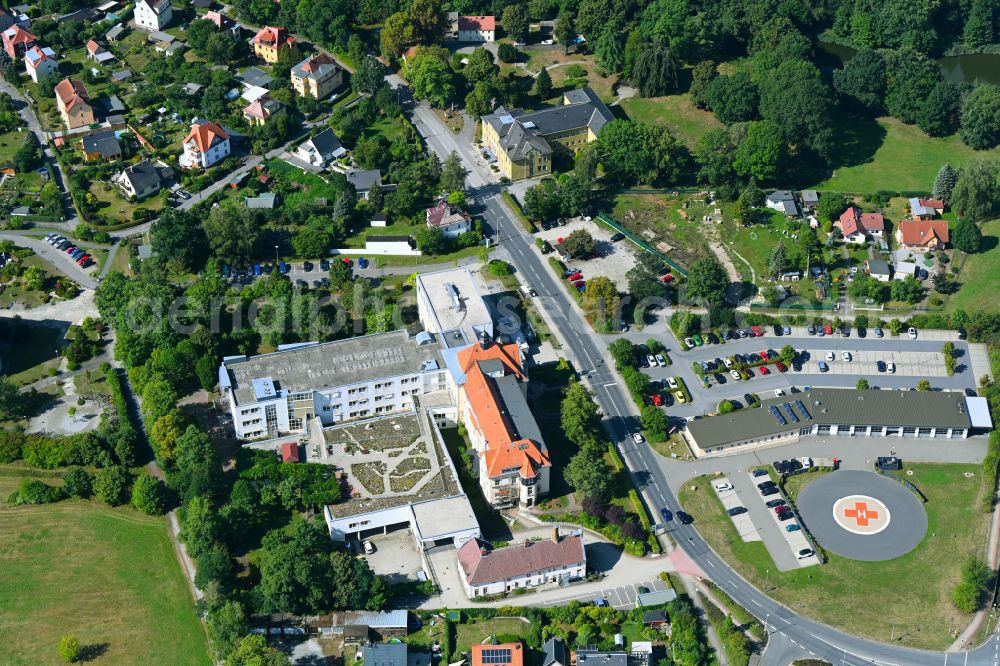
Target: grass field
(480,632)
(109,576)
(980,276)
(662,218)
(913,591)
(905,159)
(676,112)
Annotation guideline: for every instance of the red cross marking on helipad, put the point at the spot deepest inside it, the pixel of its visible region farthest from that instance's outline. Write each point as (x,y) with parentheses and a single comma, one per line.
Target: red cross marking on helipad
(861,513)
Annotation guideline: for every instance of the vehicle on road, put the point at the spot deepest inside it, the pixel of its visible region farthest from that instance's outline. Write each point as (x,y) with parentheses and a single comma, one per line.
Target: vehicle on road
(667,516)
(637,438)
(737,510)
(684,517)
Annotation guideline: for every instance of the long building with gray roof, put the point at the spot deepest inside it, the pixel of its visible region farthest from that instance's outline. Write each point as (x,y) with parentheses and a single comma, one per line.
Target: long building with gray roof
(276,394)
(839,412)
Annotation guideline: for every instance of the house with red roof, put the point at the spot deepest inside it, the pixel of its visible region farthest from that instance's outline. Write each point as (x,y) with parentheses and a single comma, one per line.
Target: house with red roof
(513,461)
(39,62)
(205,144)
(477,29)
(922,234)
(290,452)
(258,112)
(451,220)
(16,41)
(269,41)
(485,571)
(859,228)
(74,104)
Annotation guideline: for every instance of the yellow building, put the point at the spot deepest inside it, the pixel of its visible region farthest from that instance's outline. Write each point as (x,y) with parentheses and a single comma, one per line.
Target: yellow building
(317,77)
(74,104)
(269,41)
(524,143)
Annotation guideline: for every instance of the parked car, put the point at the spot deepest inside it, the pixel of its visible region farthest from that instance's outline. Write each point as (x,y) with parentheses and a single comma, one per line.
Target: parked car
(183,194)
(308,266)
(772,490)
(890,367)
(805,552)
(794,527)
(810,329)
(775,502)
(735,375)
(737,510)
(748,399)
(847,356)
(786,330)
(672,383)
(764,485)
(757,332)
(823,367)
(880,365)
(781,367)
(741,332)
(788,515)
(781,508)
(650,361)
(369,547)
(764,370)
(574,276)
(617,237)
(878,332)
(661,361)
(828,329)
(689,342)
(760,472)
(324,265)
(912,332)
(656,399)
(698,341)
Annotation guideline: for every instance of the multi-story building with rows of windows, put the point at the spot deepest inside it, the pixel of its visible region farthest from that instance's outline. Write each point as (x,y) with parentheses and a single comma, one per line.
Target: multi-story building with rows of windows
(277,394)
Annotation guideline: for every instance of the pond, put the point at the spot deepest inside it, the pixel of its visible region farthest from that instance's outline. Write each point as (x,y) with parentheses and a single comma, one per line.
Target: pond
(974,67)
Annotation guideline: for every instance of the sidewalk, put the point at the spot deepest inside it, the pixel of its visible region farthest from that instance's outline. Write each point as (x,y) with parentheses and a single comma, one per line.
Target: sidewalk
(979,361)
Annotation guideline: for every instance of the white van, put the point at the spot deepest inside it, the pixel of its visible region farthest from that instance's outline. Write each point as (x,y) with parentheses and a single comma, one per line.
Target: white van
(722,486)
(528,291)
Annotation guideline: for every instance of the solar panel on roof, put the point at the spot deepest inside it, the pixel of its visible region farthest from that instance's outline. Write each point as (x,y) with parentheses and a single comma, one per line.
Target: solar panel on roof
(791,414)
(802,409)
(506,120)
(496,656)
(777,415)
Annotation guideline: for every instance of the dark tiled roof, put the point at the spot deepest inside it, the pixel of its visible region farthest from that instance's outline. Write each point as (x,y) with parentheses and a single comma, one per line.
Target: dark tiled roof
(105,143)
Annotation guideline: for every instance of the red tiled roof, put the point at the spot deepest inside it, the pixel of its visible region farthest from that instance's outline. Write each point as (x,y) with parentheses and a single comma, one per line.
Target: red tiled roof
(444,214)
(221,21)
(205,135)
(523,454)
(516,654)
(93,47)
(18,35)
(273,36)
(853,220)
(313,63)
(481,566)
(921,232)
(290,452)
(71,92)
(936,204)
(477,23)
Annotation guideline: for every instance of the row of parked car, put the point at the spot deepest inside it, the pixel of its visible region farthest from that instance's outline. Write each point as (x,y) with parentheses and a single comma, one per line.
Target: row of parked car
(77,254)
(781,508)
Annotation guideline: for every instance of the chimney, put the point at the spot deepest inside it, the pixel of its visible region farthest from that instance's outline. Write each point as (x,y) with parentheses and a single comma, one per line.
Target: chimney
(555,534)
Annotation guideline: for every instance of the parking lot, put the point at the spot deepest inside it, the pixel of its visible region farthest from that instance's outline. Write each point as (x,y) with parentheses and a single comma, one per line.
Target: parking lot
(863,362)
(622,597)
(730,499)
(396,556)
(614,260)
(795,541)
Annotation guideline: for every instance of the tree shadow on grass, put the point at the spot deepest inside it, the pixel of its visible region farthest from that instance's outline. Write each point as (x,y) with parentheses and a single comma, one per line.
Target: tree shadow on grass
(857,140)
(93,651)
(988,243)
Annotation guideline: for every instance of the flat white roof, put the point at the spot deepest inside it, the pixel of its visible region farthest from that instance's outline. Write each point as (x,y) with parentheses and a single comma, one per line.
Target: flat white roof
(442,518)
(455,298)
(979,412)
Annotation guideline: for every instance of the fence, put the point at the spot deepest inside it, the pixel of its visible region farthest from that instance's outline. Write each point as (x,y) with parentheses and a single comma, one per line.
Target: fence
(906,484)
(603,217)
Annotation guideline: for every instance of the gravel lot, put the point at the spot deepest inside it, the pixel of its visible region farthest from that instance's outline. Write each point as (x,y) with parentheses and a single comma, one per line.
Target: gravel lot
(614,261)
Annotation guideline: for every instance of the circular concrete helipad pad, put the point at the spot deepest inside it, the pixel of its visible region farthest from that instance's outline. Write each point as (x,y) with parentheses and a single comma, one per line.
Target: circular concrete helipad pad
(862,515)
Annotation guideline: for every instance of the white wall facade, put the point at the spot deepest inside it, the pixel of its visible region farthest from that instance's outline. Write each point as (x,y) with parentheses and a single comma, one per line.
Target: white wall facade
(476,35)
(146,17)
(532,579)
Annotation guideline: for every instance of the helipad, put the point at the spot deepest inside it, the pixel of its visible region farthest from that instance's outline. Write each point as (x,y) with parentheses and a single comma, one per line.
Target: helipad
(862,515)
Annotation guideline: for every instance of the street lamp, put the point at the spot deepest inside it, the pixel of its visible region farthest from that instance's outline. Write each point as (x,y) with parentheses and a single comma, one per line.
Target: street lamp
(767,577)
(276,256)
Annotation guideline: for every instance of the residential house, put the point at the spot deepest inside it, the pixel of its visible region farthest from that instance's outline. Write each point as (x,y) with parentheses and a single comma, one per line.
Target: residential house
(143,180)
(102,145)
(859,228)
(366,181)
(317,76)
(593,657)
(554,653)
(878,269)
(384,624)
(205,144)
(98,53)
(121,76)
(655,619)
(269,41)
(74,104)
(39,62)
(6,20)
(265,201)
(16,41)
(523,143)
(922,234)
(810,199)
(223,23)
(153,14)
(291,452)
(783,201)
(477,29)
(255,77)
(451,220)
(321,149)
(514,465)
(498,654)
(259,112)
(113,104)
(925,209)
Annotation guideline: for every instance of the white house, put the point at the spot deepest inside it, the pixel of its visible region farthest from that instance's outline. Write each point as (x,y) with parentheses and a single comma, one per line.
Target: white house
(878,269)
(783,201)
(321,149)
(905,269)
(486,571)
(476,29)
(153,14)
(40,62)
(451,220)
(143,179)
(205,144)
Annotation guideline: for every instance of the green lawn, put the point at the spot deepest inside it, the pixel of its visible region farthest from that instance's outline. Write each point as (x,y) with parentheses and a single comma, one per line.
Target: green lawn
(676,112)
(913,591)
(980,276)
(10,143)
(109,576)
(904,158)
(660,218)
(480,632)
(112,205)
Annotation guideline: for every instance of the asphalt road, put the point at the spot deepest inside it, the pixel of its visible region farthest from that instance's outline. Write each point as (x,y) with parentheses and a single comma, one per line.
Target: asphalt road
(58,259)
(588,351)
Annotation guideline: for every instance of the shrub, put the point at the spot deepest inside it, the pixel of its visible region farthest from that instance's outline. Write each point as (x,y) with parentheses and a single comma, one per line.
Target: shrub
(148,495)
(69,649)
(33,491)
(112,485)
(11,443)
(78,482)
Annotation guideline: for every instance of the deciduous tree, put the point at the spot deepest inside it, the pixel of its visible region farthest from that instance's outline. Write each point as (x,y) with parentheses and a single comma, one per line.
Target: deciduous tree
(980,125)
(967,237)
(707,280)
